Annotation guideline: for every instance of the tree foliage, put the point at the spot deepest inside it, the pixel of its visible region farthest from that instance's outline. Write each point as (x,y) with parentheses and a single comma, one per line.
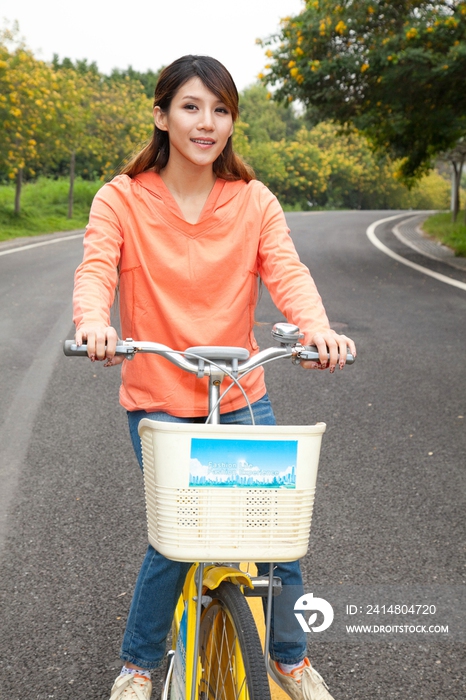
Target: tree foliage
(266,120)
(66,118)
(53,116)
(148,79)
(393,68)
(322,167)
(28,106)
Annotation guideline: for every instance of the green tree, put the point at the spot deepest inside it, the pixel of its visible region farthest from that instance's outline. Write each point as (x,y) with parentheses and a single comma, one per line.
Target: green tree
(74,115)
(330,168)
(357,178)
(431,192)
(102,121)
(265,119)
(147,78)
(106,117)
(81,65)
(121,121)
(295,170)
(456,156)
(393,68)
(28,109)
(241,142)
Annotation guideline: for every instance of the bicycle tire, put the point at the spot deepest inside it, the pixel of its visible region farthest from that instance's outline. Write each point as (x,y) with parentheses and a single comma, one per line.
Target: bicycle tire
(230,650)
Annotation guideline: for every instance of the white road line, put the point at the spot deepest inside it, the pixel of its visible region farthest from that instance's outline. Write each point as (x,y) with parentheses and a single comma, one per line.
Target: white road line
(370,232)
(20,248)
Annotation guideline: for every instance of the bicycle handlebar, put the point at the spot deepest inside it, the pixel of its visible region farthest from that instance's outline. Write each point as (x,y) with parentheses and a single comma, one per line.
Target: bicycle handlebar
(203,360)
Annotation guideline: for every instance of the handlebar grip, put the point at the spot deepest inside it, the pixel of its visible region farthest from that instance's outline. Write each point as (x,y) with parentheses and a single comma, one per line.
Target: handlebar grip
(71,349)
(122,348)
(310,352)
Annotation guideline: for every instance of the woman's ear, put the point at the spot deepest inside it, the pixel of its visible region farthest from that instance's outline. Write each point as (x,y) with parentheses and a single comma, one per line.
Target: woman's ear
(160,119)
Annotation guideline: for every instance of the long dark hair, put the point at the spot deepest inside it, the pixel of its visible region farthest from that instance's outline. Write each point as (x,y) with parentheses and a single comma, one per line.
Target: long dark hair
(216,78)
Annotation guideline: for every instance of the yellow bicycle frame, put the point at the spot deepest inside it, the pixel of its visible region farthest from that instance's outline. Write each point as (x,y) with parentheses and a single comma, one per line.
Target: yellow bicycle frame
(187,604)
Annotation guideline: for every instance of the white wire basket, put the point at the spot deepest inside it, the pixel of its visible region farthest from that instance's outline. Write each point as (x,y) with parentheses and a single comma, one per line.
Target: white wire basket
(229,492)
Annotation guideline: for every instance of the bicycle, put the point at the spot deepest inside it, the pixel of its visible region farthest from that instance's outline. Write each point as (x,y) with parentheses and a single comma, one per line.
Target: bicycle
(221,514)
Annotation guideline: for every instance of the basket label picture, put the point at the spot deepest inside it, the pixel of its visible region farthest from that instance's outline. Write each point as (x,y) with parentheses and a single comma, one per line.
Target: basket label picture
(243,463)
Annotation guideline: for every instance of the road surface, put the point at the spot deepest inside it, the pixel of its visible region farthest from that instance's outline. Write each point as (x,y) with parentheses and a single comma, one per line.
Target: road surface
(390,499)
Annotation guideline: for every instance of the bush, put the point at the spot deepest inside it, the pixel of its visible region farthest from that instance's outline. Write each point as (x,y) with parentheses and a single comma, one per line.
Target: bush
(432,192)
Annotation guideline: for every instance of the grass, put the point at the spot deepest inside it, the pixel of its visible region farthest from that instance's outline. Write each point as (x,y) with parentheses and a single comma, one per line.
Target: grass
(44,206)
(453,235)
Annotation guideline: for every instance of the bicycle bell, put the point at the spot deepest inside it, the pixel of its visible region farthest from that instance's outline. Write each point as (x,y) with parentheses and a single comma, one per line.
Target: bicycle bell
(286,333)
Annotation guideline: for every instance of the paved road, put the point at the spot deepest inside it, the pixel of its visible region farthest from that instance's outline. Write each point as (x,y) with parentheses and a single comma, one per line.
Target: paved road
(390,502)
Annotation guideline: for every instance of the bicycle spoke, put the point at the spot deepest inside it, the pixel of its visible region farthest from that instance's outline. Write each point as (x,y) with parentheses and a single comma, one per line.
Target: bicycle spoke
(230,650)
(223,668)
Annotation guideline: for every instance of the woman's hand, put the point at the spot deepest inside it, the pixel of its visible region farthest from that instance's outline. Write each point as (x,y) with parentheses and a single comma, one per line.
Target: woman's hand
(334,345)
(101,343)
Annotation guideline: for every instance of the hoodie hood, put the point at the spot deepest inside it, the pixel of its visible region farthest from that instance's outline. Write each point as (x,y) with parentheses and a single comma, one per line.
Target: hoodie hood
(221,194)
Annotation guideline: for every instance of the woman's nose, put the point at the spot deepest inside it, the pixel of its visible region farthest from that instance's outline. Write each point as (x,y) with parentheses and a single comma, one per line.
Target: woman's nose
(206,121)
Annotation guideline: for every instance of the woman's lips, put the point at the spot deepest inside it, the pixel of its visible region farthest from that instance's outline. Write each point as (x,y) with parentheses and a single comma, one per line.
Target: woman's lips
(203,142)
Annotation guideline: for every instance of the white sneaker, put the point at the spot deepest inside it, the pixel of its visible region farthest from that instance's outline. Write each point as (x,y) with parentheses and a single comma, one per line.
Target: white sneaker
(131,686)
(303,683)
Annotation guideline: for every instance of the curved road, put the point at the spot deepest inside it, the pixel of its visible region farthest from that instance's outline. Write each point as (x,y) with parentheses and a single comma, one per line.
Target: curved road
(390,498)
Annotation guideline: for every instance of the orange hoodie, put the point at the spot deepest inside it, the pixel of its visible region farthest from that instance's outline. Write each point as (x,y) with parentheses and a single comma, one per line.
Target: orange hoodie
(185,284)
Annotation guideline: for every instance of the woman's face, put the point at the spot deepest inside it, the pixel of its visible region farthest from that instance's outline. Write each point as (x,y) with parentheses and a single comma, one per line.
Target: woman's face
(198,124)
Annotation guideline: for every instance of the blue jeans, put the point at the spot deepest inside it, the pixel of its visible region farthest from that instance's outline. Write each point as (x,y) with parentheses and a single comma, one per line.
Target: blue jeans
(161,580)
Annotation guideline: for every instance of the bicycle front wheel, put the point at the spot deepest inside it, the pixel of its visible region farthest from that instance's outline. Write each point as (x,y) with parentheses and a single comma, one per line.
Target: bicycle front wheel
(230,650)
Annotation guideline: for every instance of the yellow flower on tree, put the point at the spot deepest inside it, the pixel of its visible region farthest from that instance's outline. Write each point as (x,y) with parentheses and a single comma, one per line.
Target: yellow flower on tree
(341,27)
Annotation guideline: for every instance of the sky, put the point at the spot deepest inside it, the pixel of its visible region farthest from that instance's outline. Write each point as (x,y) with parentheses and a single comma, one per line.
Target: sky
(151,33)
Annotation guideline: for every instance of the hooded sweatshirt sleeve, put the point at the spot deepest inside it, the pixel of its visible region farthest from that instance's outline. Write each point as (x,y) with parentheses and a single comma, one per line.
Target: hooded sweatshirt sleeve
(288,280)
(96,277)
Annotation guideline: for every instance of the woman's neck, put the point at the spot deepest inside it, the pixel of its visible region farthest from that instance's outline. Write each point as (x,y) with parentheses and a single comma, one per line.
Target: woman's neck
(190,187)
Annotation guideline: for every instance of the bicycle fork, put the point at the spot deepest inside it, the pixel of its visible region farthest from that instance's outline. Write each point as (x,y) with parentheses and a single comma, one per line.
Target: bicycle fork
(210,577)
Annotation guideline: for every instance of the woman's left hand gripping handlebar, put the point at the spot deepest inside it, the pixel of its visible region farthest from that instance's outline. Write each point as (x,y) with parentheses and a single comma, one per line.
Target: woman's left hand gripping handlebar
(101,343)
(332,348)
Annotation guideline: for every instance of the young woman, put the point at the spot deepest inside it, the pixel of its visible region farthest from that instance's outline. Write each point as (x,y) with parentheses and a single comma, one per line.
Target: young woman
(186,232)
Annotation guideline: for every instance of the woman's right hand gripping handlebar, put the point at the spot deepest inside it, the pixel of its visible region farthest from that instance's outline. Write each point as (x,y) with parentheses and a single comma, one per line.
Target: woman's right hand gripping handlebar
(101,343)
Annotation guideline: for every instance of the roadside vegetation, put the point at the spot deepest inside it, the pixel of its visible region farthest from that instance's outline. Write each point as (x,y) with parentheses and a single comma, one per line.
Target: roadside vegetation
(66,128)
(394,71)
(451,234)
(44,207)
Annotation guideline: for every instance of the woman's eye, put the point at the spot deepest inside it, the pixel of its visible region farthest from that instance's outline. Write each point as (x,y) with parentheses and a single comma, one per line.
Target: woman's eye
(223,110)
(190,106)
